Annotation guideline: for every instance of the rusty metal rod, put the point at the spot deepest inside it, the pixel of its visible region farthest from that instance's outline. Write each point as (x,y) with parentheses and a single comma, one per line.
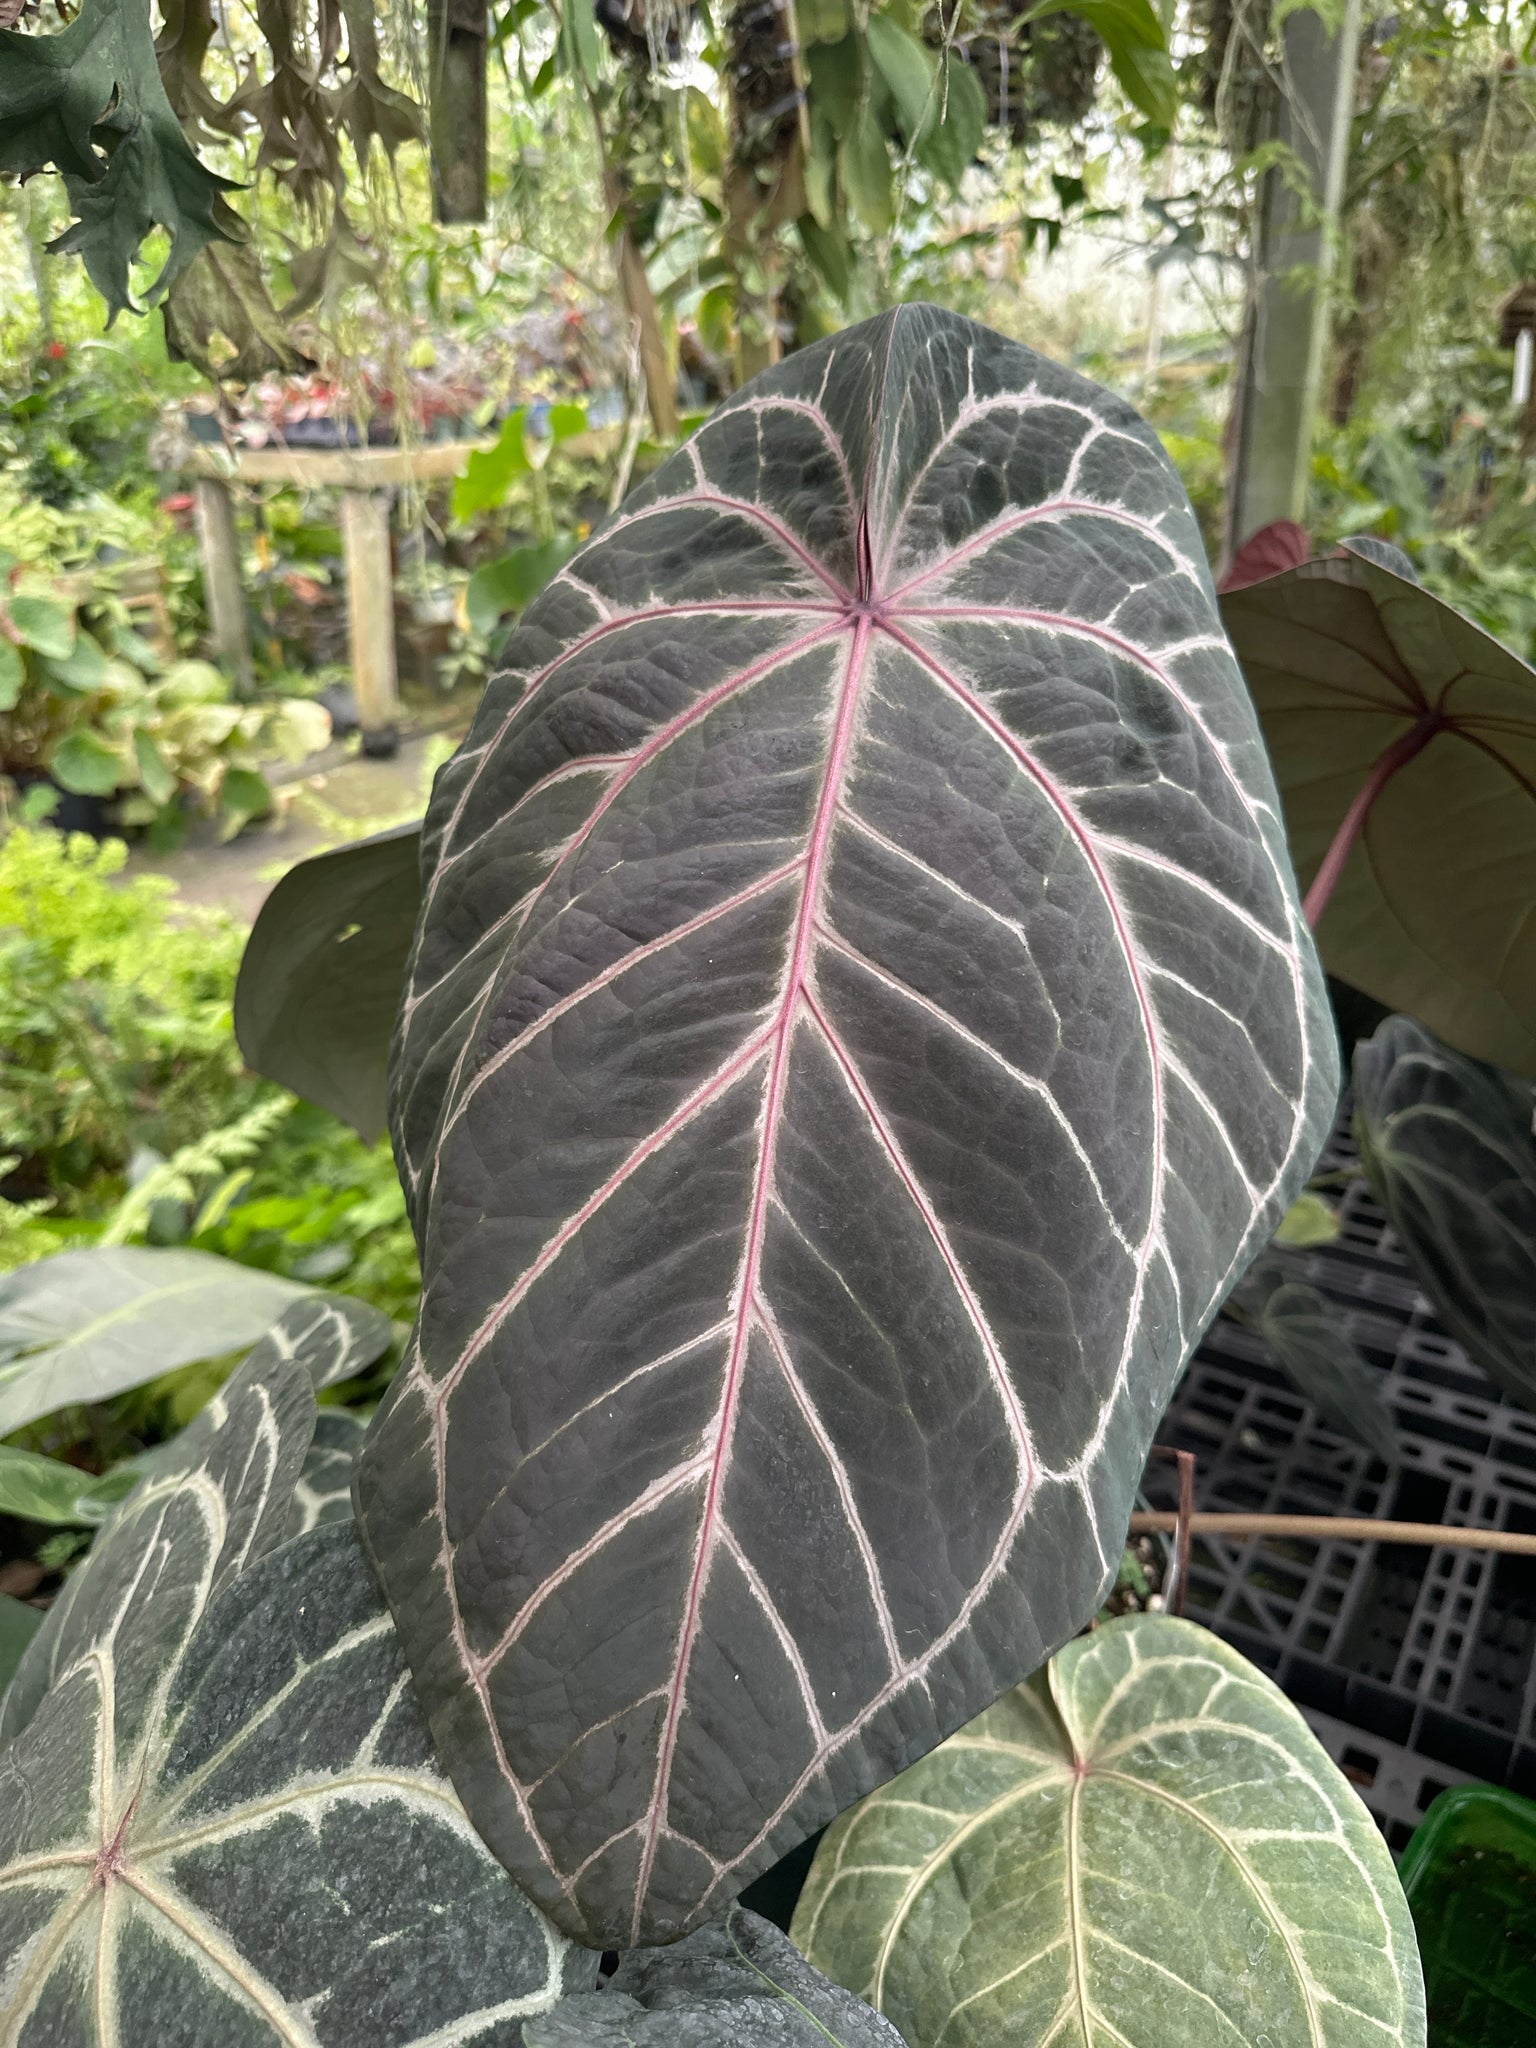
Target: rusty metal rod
(1338,1528)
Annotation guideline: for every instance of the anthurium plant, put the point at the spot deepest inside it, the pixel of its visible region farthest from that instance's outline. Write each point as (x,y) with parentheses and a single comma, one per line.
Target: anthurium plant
(859,1025)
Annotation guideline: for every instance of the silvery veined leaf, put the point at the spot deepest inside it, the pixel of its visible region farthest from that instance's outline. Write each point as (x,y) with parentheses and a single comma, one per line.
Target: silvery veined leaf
(329,1337)
(320,978)
(859,1027)
(1317,1354)
(1449,1148)
(218,1498)
(1144,1844)
(324,1491)
(264,1851)
(736,1983)
(85,1325)
(333,1336)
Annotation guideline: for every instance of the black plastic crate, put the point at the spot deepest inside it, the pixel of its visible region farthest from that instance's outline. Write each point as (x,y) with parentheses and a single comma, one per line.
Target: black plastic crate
(1416,1667)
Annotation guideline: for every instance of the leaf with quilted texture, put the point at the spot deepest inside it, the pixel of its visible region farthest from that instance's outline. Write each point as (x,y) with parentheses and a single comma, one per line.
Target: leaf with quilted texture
(859,1027)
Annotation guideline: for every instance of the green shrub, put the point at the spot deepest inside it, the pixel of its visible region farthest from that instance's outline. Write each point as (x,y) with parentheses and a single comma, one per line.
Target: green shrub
(126,1112)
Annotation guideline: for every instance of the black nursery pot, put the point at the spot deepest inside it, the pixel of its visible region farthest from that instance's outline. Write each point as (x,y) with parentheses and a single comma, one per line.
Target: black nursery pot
(73,812)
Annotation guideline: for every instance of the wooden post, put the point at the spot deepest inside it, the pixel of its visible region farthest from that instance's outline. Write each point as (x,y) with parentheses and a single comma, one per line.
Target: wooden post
(223,586)
(1286,338)
(371,618)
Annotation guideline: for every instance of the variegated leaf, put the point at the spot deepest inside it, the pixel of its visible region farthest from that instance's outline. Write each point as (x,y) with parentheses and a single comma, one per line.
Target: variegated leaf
(859,1027)
(737,1983)
(1147,1844)
(262,1849)
(333,1336)
(1450,1149)
(219,1498)
(324,1491)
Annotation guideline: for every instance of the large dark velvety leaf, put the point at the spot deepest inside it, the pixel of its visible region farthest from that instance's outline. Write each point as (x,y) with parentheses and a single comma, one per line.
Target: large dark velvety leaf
(860,1026)
(1146,1845)
(1448,1144)
(266,1850)
(736,1984)
(321,975)
(1372,691)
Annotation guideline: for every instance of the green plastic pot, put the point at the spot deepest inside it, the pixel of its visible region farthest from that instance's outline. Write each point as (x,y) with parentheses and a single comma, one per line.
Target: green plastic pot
(1470,1876)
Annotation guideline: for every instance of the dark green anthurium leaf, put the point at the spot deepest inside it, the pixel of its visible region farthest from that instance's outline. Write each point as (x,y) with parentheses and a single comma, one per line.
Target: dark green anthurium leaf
(860,1025)
(322,974)
(1448,1144)
(1378,700)
(736,1984)
(84,1325)
(324,1491)
(89,102)
(1147,1844)
(1315,1352)
(234,1831)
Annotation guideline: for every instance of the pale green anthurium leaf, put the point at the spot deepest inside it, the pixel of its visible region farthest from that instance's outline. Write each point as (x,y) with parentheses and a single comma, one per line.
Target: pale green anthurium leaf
(1145,1844)
(1448,1144)
(38,1489)
(19,1623)
(264,1850)
(85,1325)
(737,1983)
(1309,1220)
(1317,1355)
(324,1491)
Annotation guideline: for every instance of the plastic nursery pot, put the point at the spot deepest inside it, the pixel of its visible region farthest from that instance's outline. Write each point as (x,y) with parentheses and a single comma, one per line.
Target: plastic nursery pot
(1470,1875)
